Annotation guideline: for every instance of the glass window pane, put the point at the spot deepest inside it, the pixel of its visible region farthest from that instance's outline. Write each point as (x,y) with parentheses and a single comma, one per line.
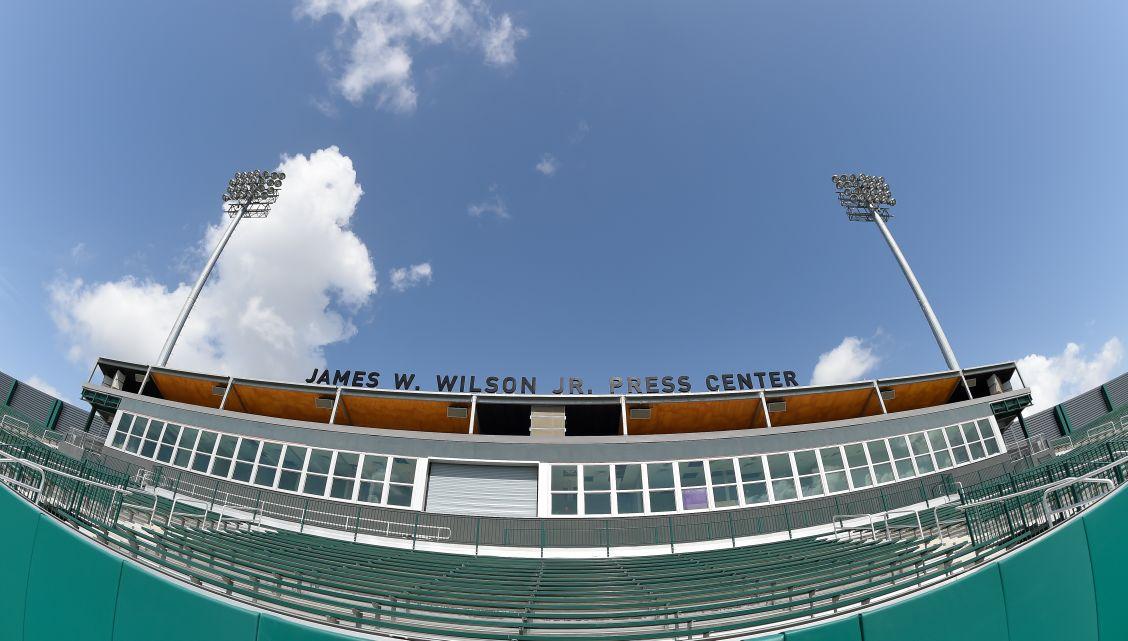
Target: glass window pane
(695,498)
(861,477)
(565,478)
(943,459)
(755,493)
(319,461)
(905,468)
(969,432)
(188,437)
(900,446)
(139,426)
(722,471)
(599,503)
(341,488)
(564,503)
(154,430)
(201,462)
(148,448)
(170,434)
(399,494)
(207,442)
(248,449)
(663,501)
(985,430)
(806,462)
(811,485)
(660,475)
(780,466)
(374,467)
(855,455)
(288,480)
(295,457)
(919,443)
(725,496)
(783,490)
(991,445)
(884,473)
(182,457)
(346,464)
(119,438)
(924,464)
(960,453)
(134,444)
(628,477)
(629,502)
(126,422)
(242,471)
(877,451)
(692,473)
(270,454)
(314,484)
(836,482)
(976,450)
(955,437)
(164,455)
(752,468)
(936,439)
(831,458)
(403,470)
(265,476)
(226,447)
(598,477)
(370,492)
(221,466)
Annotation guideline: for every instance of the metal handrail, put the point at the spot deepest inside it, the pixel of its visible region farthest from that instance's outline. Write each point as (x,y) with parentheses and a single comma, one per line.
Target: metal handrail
(838,519)
(1053,485)
(1046,499)
(947,484)
(4,458)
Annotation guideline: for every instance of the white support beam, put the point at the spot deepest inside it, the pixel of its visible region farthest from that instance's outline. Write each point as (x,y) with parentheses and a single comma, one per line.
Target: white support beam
(764,404)
(623,408)
(879,399)
(336,402)
(473,412)
(226,391)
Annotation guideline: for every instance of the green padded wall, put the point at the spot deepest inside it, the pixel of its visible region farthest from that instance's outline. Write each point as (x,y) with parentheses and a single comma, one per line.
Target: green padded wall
(150,606)
(20,521)
(1105,529)
(1048,587)
(73,586)
(57,584)
(970,608)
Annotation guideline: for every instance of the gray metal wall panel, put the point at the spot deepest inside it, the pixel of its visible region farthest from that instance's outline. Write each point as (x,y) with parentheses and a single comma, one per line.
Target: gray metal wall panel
(32,402)
(1083,408)
(487,490)
(1118,390)
(1043,424)
(5,382)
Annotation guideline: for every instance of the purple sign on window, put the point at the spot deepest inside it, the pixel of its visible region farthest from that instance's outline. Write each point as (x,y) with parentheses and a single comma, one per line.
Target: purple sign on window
(695,498)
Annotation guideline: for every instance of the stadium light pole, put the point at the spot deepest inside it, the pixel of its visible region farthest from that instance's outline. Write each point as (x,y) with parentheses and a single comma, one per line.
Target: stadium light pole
(868,199)
(249,195)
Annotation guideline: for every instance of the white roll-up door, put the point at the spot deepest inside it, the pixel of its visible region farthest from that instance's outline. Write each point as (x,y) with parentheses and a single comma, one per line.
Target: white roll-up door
(482,490)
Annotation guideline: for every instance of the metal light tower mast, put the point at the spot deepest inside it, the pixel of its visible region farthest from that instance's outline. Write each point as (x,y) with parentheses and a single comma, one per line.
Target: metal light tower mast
(249,195)
(868,199)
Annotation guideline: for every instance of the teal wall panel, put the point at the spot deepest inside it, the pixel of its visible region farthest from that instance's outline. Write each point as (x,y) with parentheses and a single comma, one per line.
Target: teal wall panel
(150,607)
(844,629)
(73,587)
(1049,588)
(1105,529)
(969,608)
(275,628)
(19,521)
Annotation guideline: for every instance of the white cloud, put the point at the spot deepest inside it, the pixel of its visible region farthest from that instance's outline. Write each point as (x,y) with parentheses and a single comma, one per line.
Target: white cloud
(286,286)
(850,361)
(379,39)
(581,132)
(493,206)
(548,165)
(404,278)
(1053,379)
(43,386)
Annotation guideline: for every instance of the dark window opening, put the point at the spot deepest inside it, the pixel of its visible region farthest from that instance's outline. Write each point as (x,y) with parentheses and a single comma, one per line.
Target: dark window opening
(503,420)
(594,420)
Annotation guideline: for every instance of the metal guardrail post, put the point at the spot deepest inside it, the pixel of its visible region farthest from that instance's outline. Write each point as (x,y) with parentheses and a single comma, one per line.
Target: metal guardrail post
(356,526)
(477,533)
(542,537)
(670,526)
(415,531)
(305,508)
(787,520)
(732,528)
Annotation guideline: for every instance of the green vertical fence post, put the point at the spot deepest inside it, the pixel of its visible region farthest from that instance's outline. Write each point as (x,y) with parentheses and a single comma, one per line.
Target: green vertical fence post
(356,526)
(732,529)
(670,527)
(477,533)
(542,537)
(607,537)
(415,531)
(305,508)
(787,519)
(255,510)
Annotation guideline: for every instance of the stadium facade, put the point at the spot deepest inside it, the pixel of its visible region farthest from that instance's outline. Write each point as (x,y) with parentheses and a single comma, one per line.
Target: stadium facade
(202,505)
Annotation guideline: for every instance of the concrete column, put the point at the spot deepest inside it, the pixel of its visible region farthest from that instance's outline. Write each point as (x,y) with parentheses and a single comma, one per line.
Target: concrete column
(547,421)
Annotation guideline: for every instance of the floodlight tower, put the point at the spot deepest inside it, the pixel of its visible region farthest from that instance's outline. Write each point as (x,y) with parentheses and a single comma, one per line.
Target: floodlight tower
(249,195)
(868,199)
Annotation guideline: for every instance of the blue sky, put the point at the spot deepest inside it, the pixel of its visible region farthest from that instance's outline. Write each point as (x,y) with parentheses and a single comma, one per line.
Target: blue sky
(689,225)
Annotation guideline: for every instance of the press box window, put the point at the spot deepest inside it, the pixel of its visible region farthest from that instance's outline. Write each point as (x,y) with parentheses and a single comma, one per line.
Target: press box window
(879,456)
(185,446)
(122,433)
(248,451)
(401,481)
(597,489)
(204,448)
(755,482)
(133,445)
(859,468)
(168,443)
(152,434)
(344,475)
(317,473)
(372,474)
(694,494)
(292,464)
(835,469)
(628,488)
(988,435)
(807,467)
(940,449)
(565,489)
(783,477)
(722,473)
(660,478)
(267,468)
